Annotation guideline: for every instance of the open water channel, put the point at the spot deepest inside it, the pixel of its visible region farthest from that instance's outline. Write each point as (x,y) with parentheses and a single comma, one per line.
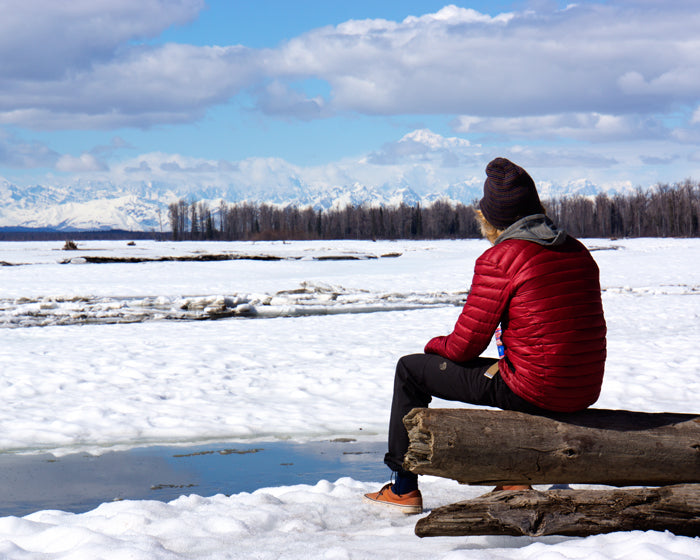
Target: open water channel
(81,482)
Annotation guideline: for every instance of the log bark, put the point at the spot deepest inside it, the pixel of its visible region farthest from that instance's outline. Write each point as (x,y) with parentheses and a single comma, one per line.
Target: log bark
(569,512)
(612,447)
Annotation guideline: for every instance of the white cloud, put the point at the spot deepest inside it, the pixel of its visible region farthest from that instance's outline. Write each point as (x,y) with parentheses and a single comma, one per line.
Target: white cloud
(178,168)
(592,127)
(695,119)
(279,100)
(168,79)
(45,39)
(656,160)
(145,86)
(587,58)
(549,157)
(455,14)
(423,146)
(676,82)
(18,153)
(81,164)
(598,68)
(81,65)
(116,143)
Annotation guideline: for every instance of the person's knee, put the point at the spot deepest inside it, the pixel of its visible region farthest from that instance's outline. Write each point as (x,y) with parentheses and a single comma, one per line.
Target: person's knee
(410,365)
(411,373)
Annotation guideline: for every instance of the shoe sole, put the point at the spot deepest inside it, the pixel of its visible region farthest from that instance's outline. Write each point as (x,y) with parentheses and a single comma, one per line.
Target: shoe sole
(403,508)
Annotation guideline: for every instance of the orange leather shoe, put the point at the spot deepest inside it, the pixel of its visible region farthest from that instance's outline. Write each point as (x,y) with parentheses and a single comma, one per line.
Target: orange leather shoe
(409,503)
(512,487)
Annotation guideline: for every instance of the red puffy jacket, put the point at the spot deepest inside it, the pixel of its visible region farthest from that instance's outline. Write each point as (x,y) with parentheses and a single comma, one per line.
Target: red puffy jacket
(548,302)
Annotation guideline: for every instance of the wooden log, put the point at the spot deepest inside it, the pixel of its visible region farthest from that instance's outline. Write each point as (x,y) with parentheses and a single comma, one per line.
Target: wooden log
(569,512)
(612,447)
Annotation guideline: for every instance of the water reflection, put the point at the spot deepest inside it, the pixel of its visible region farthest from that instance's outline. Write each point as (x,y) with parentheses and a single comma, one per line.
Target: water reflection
(81,482)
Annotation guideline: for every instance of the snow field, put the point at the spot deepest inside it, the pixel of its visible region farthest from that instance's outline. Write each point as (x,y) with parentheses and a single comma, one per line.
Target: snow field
(94,387)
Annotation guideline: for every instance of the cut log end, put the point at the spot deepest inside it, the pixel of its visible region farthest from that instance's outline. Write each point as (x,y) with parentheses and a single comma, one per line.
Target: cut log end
(421,442)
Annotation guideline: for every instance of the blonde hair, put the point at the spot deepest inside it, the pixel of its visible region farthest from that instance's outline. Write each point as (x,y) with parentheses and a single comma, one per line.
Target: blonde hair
(488,230)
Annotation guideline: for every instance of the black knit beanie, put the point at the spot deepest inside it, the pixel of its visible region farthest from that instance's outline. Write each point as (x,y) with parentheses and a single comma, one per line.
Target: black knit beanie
(509,194)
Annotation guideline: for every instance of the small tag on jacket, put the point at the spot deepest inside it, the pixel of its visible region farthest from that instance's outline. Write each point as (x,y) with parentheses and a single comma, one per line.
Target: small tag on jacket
(493,370)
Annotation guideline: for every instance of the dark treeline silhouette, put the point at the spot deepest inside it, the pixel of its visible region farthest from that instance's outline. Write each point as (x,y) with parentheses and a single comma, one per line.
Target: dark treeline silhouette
(266,222)
(664,211)
(43,234)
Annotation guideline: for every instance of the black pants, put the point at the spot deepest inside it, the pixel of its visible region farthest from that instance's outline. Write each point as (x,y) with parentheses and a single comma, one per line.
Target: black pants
(420,377)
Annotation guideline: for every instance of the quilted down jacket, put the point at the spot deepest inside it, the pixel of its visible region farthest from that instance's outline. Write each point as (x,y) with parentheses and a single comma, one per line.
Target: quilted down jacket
(546,295)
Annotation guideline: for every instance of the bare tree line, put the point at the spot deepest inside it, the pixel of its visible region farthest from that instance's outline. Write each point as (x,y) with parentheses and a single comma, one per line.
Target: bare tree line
(664,211)
(267,222)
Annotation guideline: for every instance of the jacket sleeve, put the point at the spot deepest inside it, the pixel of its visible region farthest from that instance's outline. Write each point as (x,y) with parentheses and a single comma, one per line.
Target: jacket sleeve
(480,315)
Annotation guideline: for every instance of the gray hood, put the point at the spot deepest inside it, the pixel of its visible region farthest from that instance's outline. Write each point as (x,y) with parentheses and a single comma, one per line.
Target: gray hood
(537,228)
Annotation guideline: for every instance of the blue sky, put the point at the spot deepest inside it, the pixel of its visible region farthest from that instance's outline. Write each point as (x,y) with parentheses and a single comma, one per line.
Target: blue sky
(413,93)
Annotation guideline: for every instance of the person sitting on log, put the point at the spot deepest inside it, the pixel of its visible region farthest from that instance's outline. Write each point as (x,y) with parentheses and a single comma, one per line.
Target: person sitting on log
(542,287)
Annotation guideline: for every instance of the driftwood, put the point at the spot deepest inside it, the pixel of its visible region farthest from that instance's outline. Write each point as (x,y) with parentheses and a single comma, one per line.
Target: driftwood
(612,447)
(569,512)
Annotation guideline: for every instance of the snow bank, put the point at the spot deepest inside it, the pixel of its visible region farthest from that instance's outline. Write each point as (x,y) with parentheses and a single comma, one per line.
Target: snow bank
(327,520)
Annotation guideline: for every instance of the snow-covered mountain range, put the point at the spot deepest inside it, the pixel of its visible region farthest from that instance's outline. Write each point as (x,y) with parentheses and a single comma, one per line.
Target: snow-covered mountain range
(143,206)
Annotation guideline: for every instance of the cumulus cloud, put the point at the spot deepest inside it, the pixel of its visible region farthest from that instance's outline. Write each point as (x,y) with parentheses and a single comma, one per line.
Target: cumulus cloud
(656,160)
(199,167)
(278,99)
(174,168)
(590,58)
(696,116)
(81,164)
(45,39)
(423,146)
(18,153)
(82,64)
(592,127)
(141,167)
(553,157)
(146,86)
(457,15)
(257,177)
(117,143)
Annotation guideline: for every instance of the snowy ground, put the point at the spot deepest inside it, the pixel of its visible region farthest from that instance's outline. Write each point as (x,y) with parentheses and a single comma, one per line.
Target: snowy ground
(306,351)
